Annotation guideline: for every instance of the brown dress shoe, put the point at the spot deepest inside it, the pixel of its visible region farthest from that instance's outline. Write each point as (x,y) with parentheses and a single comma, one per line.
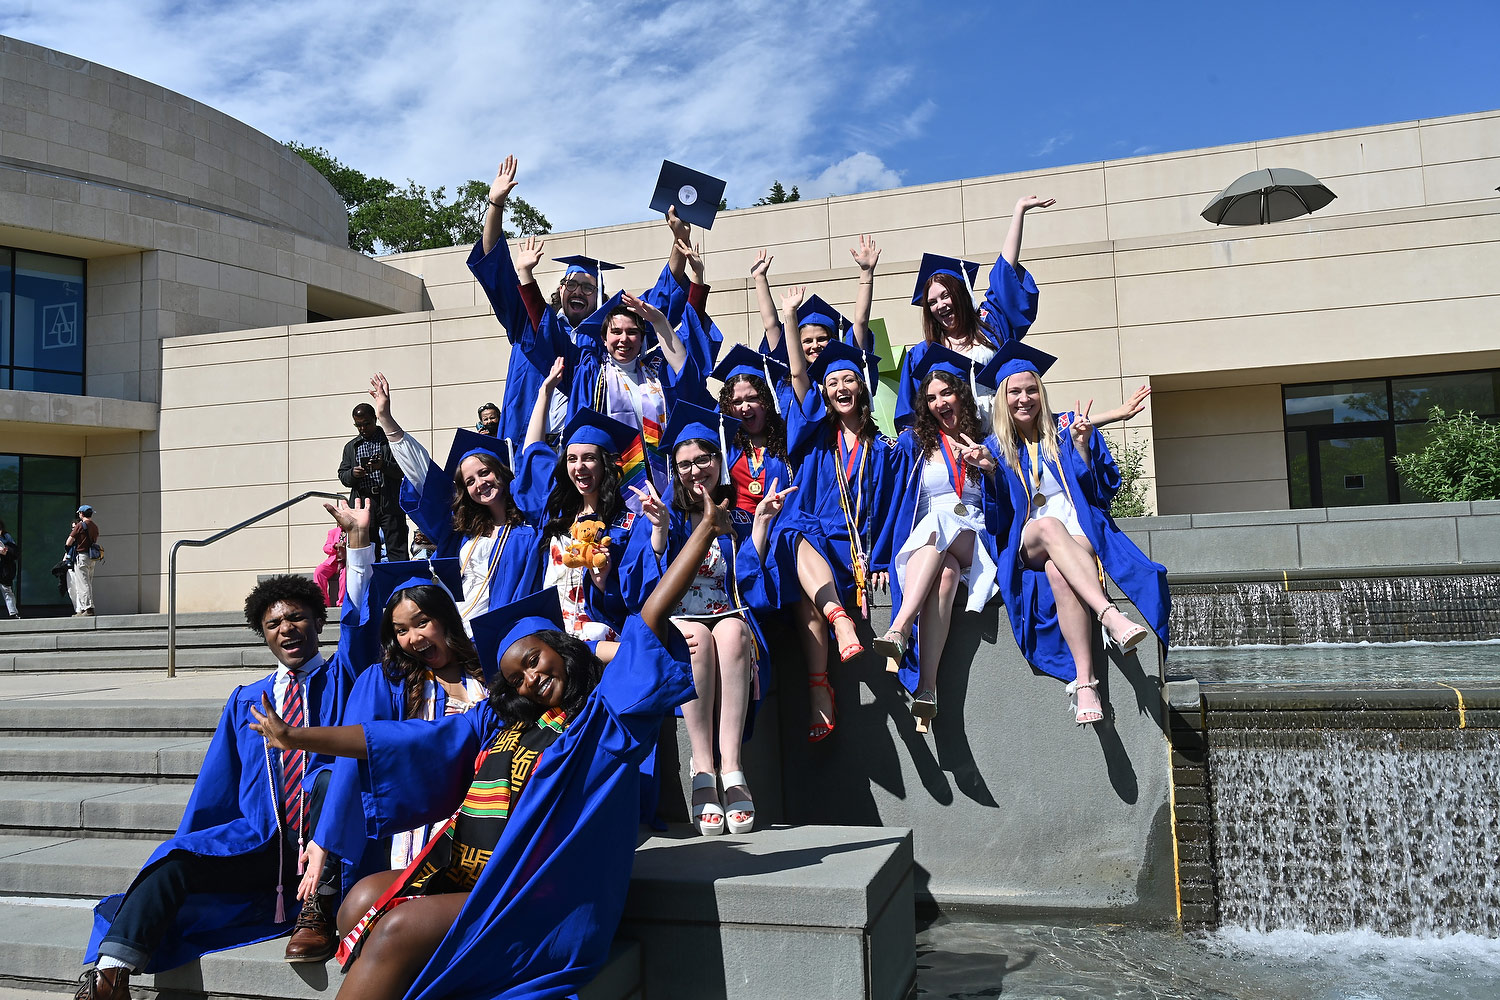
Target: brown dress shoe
(314,938)
(104,984)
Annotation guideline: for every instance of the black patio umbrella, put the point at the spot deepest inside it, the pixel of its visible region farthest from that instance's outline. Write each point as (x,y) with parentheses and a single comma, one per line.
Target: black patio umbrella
(1271,195)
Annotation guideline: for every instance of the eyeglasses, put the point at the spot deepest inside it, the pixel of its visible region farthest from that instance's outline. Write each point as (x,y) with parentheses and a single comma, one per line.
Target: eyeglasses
(701,462)
(587,288)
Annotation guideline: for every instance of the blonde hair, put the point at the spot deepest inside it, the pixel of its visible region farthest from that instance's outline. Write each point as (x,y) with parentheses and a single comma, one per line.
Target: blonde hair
(1005,428)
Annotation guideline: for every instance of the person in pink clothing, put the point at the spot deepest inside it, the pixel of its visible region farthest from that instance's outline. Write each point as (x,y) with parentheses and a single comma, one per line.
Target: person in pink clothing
(333,566)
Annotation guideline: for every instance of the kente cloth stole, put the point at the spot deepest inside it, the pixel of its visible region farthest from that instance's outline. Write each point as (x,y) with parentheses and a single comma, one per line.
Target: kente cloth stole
(453,860)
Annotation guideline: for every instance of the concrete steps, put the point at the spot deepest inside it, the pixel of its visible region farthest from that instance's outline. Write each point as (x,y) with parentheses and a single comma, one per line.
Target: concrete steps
(96,767)
(128,642)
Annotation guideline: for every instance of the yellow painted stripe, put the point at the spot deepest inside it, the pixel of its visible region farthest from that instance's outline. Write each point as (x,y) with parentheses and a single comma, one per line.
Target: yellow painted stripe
(1463,721)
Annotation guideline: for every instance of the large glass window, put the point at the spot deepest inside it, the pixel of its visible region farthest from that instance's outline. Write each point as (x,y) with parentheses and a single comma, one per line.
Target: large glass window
(41,322)
(1341,437)
(38,496)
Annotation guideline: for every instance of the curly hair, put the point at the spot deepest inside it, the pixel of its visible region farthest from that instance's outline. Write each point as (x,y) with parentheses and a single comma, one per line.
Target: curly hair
(583,670)
(682,499)
(284,587)
(775,429)
(926,427)
(399,665)
(473,518)
(967,327)
(565,503)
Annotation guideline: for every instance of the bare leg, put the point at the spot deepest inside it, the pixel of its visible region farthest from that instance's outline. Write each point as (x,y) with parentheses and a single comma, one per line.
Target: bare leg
(698,714)
(937,610)
(736,653)
(361,897)
(921,570)
(1077,625)
(816,577)
(814,633)
(398,945)
(1047,538)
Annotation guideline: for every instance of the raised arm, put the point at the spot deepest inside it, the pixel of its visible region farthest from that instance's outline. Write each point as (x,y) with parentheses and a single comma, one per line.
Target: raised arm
(335,741)
(380,392)
(681,571)
(765,515)
(1130,408)
(494,215)
(672,347)
(682,233)
(796,360)
(1011,250)
(536,430)
(865,255)
(760,273)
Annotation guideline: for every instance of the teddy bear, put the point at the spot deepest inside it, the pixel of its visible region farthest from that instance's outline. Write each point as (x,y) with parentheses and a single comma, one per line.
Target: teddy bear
(587,545)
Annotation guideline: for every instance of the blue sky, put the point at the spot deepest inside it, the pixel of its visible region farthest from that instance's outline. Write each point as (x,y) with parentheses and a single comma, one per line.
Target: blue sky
(834,97)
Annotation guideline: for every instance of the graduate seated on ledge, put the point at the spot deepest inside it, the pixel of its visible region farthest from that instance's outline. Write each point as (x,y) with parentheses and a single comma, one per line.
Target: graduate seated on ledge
(521,893)
(230,875)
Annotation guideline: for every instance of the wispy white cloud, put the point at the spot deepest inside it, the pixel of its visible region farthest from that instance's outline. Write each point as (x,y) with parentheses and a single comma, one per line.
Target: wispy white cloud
(1052,144)
(590,97)
(860,172)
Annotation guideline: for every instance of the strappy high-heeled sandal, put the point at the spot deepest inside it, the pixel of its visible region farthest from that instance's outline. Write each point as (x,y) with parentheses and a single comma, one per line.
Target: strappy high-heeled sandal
(708,817)
(1132,637)
(1084,717)
(892,646)
(741,812)
(819,731)
(855,648)
(924,709)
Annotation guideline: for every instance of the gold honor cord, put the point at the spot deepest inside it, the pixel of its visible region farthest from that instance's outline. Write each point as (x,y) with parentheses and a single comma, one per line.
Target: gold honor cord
(489,572)
(852,509)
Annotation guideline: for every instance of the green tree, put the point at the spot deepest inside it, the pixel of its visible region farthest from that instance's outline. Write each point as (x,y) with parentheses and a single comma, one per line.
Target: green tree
(1131,500)
(387,219)
(778,195)
(1461,460)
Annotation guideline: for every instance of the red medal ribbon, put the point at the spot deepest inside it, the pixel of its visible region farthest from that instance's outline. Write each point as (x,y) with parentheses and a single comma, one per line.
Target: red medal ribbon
(849,455)
(956,466)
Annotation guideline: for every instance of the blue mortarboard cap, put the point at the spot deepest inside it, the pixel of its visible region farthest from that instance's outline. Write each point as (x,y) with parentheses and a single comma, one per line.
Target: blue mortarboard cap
(942,359)
(966,271)
(387,579)
(838,356)
(815,310)
(695,423)
(1013,357)
(695,194)
(467,443)
(498,628)
(594,325)
(740,360)
(587,265)
(593,427)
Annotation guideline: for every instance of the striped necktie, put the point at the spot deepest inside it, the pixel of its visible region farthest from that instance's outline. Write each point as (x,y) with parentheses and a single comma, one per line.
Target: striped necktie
(293,762)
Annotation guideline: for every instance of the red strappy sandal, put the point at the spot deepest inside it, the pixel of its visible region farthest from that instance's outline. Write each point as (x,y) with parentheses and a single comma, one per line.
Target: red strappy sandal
(819,731)
(855,648)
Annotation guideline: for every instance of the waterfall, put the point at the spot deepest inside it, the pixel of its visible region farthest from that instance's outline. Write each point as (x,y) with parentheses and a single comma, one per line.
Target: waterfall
(1382,609)
(1390,832)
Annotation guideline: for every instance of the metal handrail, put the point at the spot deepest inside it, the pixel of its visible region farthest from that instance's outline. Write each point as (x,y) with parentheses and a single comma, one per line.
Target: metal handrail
(199,543)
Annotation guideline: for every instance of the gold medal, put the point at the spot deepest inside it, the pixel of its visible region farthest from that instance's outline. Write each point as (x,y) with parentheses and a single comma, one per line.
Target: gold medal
(961,510)
(755,488)
(1039,500)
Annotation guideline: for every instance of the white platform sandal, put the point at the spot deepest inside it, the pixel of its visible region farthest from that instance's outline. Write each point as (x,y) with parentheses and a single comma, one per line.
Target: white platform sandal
(1133,636)
(1080,716)
(708,817)
(744,809)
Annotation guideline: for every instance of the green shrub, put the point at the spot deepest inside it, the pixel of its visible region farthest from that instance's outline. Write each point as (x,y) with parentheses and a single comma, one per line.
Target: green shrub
(1131,500)
(1461,460)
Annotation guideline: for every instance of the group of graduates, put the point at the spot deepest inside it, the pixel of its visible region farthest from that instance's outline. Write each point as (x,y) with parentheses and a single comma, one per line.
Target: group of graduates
(616,551)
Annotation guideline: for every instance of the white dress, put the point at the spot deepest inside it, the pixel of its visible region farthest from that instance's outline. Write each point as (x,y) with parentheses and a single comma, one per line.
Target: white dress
(571,584)
(984,396)
(939,522)
(1056,503)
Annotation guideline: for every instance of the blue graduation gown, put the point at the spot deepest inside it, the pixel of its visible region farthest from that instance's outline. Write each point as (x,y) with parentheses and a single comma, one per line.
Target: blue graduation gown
(1028,593)
(1010,304)
(532,487)
(342,829)
(903,518)
(530,349)
(235,810)
(519,569)
(541,919)
(815,512)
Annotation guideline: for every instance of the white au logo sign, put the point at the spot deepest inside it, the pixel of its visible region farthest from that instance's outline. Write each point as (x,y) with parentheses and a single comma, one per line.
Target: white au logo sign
(59,326)
(687,194)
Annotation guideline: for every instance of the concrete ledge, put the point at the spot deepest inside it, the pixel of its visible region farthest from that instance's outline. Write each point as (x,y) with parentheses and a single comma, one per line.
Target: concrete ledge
(102,758)
(833,905)
(89,717)
(24,409)
(65,806)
